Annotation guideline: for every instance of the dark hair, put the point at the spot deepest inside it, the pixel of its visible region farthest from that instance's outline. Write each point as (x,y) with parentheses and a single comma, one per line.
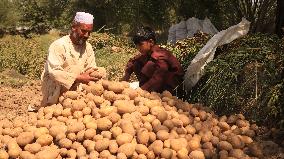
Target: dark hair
(144,34)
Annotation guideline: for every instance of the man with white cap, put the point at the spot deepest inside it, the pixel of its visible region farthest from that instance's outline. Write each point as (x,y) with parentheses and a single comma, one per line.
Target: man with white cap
(70,61)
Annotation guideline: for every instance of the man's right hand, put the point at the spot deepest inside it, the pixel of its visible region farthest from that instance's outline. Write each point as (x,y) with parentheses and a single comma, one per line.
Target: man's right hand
(85,77)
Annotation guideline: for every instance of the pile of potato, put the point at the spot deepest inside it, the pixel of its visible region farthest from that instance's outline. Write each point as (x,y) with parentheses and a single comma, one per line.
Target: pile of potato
(109,120)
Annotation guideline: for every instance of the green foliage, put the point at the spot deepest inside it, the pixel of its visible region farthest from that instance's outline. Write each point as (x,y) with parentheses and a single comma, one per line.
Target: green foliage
(41,15)
(185,50)
(100,40)
(27,56)
(9,15)
(246,77)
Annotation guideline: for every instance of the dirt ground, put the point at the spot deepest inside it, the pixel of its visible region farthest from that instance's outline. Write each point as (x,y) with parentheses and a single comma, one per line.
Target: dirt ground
(16,98)
(15,101)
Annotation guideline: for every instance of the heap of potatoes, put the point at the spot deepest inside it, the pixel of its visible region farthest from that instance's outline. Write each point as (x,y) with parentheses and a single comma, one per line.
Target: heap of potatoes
(109,120)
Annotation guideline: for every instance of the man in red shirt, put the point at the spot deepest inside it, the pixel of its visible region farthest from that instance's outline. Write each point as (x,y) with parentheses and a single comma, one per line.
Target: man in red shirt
(156,68)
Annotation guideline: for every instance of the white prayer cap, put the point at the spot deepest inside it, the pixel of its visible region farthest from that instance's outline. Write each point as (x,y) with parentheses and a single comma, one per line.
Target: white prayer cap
(83,17)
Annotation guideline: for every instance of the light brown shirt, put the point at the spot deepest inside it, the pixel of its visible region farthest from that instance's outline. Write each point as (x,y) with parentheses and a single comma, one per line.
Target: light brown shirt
(64,63)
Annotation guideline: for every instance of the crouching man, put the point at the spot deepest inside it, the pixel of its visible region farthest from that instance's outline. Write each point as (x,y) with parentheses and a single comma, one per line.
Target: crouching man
(70,61)
(156,68)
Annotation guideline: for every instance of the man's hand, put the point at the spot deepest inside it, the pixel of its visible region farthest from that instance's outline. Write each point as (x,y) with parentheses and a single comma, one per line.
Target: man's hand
(86,77)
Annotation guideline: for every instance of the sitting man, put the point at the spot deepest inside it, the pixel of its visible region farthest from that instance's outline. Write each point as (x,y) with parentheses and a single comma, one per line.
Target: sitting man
(156,68)
(70,61)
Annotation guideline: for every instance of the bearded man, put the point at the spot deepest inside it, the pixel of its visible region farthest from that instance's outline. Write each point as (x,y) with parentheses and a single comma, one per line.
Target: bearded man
(70,61)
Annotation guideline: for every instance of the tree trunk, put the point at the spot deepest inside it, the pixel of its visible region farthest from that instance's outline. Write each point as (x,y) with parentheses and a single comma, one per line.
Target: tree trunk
(280,18)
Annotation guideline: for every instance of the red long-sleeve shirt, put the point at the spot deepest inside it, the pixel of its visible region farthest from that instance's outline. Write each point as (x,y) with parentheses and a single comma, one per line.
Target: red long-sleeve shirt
(157,71)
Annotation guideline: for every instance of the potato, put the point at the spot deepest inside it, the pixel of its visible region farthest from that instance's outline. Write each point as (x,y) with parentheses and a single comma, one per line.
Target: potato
(26,155)
(185,119)
(49,153)
(13,149)
(143,109)
(232,119)
(236,142)
(182,153)
(123,138)
(190,129)
(71,94)
(105,111)
(60,136)
(80,135)
(237,153)
(157,147)
(115,131)
(102,144)
(75,145)
(106,134)
(65,143)
(196,154)
(143,136)
(215,140)
(113,146)
(71,153)
(81,151)
(194,144)
(150,155)
(74,127)
(247,140)
(128,149)
(163,135)
(224,145)
(4,154)
(104,123)
(95,88)
(242,123)
(43,123)
(207,136)
(224,126)
(91,146)
(149,118)
(121,156)
(141,149)
(98,137)
(116,87)
(124,106)
(78,114)
(66,112)
(67,103)
(78,105)
(44,140)
(55,130)
(148,126)
(25,138)
(32,148)
(167,153)
(130,92)
(223,154)
(127,127)
(90,133)
(249,133)
(105,154)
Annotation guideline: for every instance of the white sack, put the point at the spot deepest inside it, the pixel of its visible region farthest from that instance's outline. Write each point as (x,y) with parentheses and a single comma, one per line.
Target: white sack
(206,54)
